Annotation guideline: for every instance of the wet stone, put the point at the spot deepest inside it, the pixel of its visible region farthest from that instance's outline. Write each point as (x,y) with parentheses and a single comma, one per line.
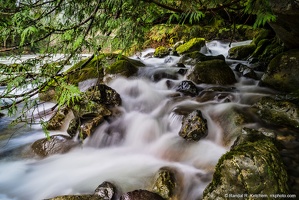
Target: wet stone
(56,144)
(141,195)
(194,126)
(106,191)
(188,88)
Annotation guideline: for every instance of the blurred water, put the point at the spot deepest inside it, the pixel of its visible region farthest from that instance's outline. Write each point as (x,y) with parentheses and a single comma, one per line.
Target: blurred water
(129,150)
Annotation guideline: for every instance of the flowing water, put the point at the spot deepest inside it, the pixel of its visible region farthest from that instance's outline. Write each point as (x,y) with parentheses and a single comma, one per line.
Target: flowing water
(130,149)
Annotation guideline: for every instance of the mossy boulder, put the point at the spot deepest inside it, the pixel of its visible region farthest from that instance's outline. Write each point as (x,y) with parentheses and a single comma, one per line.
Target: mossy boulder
(259,35)
(253,166)
(194,57)
(56,121)
(168,183)
(94,67)
(194,126)
(241,52)
(194,44)
(123,66)
(283,72)
(161,52)
(212,72)
(95,106)
(278,112)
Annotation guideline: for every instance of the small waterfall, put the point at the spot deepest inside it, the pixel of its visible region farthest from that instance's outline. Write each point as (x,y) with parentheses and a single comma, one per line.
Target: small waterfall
(130,149)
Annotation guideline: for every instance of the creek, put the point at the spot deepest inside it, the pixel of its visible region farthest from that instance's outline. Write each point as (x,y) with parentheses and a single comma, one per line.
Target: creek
(129,150)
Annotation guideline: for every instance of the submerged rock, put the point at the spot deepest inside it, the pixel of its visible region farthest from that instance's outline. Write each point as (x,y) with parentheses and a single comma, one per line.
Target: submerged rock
(56,144)
(252,166)
(141,195)
(278,112)
(194,44)
(194,126)
(283,72)
(212,72)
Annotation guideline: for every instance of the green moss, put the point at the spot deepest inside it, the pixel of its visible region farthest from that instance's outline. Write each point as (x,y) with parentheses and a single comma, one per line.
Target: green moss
(260,47)
(253,167)
(122,67)
(241,52)
(161,52)
(194,44)
(259,35)
(212,72)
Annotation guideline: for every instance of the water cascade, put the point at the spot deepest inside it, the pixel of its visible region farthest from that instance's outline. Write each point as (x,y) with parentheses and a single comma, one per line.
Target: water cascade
(130,149)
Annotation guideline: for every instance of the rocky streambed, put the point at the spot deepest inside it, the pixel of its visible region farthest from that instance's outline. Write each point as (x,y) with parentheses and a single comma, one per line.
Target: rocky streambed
(193,125)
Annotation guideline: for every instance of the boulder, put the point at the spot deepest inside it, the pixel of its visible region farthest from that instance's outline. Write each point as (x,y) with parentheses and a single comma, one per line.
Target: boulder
(91,111)
(279,112)
(286,25)
(168,183)
(93,67)
(161,52)
(194,44)
(56,120)
(124,67)
(241,52)
(232,120)
(194,57)
(253,166)
(212,72)
(141,195)
(282,72)
(188,88)
(194,126)
(56,144)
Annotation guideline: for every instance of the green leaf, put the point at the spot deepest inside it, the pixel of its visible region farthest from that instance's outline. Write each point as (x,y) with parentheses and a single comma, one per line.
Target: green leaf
(27,33)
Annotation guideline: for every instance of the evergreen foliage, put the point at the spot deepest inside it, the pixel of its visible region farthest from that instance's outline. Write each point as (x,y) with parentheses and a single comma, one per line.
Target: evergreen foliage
(70,27)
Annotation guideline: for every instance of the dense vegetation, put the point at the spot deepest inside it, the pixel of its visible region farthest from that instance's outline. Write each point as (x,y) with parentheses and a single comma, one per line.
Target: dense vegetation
(70,27)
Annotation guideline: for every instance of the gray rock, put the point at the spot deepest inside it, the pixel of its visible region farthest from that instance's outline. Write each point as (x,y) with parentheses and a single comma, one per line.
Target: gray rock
(194,126)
